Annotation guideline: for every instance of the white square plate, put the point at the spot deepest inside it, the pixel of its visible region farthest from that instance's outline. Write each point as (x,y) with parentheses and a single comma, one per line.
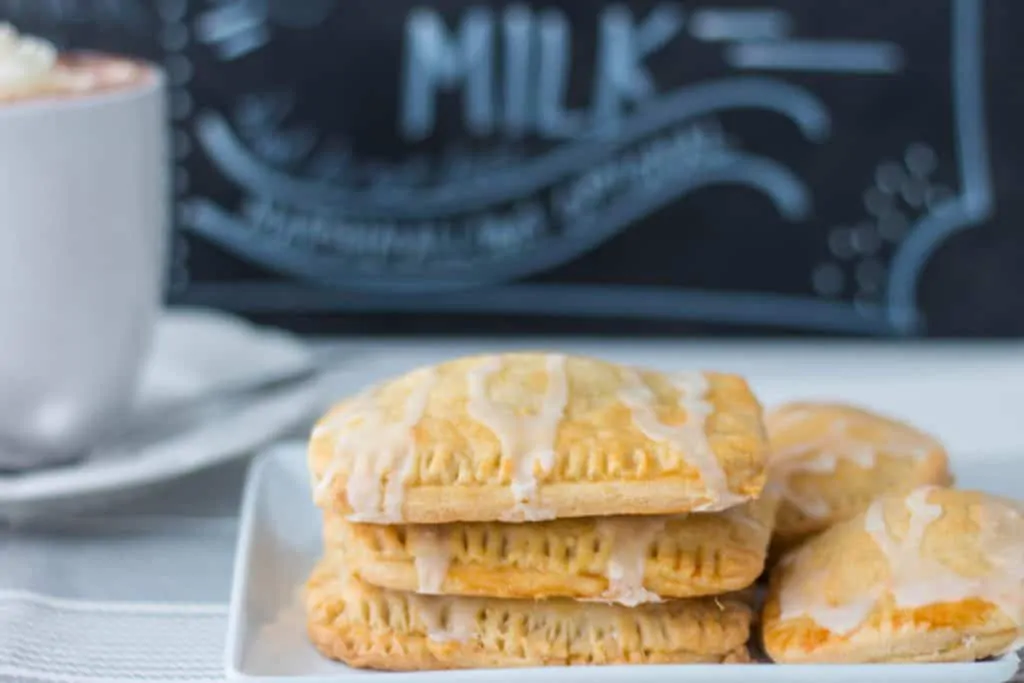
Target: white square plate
(280,541)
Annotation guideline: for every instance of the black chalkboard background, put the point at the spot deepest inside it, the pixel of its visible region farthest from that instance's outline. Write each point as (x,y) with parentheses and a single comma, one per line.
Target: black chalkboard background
(796,167)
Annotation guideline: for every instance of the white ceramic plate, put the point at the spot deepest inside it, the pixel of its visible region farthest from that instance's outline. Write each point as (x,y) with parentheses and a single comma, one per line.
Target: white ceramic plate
(280,541)
(195,352)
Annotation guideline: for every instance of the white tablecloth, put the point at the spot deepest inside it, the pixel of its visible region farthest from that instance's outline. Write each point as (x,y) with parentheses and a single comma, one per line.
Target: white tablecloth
(137,593)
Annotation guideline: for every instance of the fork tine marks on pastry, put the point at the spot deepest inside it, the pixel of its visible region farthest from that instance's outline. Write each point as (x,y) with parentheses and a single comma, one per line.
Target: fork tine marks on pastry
(678,556)
(404,449)
(447,620)
(528,441)
(629,543)
(432,557)
(369,627)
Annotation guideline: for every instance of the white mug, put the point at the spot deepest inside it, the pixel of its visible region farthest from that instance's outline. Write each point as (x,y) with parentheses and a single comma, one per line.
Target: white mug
(84,207)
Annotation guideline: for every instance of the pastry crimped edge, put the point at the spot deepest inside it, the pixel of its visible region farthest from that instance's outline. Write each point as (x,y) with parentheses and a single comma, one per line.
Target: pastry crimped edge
(946,629)
(342,610)
(667,557)
(598,468)
(793,525)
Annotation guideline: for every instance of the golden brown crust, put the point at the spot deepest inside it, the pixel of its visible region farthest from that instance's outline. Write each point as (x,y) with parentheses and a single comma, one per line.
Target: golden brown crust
(686,556)
(830,460)
(368,627)
(598,462)
(933,575)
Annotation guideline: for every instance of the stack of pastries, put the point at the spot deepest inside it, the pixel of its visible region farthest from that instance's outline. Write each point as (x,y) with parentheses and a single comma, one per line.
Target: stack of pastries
(542,509)
(539,509)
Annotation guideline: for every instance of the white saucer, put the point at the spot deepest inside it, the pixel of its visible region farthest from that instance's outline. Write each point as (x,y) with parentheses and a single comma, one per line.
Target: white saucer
(194,353)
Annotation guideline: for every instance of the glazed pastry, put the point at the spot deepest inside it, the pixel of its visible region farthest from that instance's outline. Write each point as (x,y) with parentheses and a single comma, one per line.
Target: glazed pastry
(829,461)
(935,575)
(532,436)
(368,627)
(628,560)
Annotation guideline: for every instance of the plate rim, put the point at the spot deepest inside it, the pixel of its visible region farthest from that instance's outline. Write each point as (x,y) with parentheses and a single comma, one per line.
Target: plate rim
(240,567)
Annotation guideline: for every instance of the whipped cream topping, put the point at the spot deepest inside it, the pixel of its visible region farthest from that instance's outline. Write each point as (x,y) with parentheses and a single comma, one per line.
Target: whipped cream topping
(26,63)
(33,67)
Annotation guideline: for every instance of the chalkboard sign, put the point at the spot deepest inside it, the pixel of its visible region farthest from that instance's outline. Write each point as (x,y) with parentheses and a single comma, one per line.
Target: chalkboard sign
(648,167)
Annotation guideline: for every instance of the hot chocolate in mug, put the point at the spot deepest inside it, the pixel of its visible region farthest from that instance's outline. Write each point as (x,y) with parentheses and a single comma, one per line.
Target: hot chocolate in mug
(83,231)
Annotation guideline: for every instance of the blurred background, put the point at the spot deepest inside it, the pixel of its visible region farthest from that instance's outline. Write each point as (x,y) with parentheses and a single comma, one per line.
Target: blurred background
(641,168)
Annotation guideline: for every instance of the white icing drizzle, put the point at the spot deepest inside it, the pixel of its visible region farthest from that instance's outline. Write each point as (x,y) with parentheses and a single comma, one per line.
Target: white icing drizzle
(783,420)
(796,600)
(629,541)
(916,580)
(322,488)
(380,453)
(745,515)
(827,451)
(359,407)
(394,489)
(431,556)
(689,437)
(462,618)
(528,441)
(812,506)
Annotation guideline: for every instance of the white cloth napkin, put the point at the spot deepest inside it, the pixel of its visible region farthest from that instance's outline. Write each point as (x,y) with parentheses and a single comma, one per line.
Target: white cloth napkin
(69,613)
